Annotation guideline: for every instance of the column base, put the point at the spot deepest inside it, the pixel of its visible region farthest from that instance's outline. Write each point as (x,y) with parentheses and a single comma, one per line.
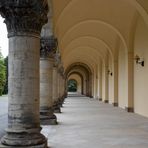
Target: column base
(115,104)
(105,101)
(56,107)
(129,109)
(47,116)
(61,102)
(24,139)
(100,99)
(48,120)
(36,146)
(57,110)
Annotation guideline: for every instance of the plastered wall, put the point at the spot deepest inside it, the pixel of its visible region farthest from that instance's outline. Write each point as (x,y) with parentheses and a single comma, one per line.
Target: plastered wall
(111,84)
(141,73)
(122,77)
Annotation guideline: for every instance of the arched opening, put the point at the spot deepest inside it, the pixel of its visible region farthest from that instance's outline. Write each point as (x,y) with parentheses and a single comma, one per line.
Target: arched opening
(72,86)
(80,81)
(86,77)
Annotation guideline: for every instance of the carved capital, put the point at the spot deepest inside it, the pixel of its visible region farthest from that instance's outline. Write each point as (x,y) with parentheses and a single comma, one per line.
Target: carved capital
(57,59)
(24,16)
(61,70)
(48,47)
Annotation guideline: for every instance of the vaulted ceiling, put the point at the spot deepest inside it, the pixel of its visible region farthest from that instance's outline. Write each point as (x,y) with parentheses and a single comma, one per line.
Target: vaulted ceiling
(90,30)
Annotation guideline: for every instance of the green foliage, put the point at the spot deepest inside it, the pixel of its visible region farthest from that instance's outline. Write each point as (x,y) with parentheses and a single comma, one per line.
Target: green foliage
(5,91)
(72,85)
(2,74)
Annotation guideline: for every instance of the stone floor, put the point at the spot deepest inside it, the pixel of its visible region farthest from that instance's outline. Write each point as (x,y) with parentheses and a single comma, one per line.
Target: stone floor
(3,114)
(86,123)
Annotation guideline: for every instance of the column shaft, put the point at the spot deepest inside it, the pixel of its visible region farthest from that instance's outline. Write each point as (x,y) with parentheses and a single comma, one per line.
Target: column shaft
(46,91)
(23,116)
(24,21)
(55,91)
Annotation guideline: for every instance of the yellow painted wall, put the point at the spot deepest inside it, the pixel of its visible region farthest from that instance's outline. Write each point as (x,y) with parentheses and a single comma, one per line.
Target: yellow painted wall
(111,84)
(141,73)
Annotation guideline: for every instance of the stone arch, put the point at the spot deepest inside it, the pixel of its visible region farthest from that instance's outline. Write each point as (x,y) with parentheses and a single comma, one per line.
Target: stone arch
(82,79)
(86,70)
(95,39)
(99,22)
(137,4)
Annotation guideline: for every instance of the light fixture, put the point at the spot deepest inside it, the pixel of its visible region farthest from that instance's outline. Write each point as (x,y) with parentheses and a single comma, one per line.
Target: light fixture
(110,73)
(139,60)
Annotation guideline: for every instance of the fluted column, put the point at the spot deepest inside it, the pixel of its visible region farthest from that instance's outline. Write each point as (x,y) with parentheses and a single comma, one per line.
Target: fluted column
(46,82)
(24,20)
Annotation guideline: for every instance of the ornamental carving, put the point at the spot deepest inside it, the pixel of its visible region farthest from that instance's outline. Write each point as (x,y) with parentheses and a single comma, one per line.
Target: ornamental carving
(57,58)
(61,69)
(24,16)
(48,47)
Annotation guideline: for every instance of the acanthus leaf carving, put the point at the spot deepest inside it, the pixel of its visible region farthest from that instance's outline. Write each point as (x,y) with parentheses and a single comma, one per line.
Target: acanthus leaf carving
(24,16)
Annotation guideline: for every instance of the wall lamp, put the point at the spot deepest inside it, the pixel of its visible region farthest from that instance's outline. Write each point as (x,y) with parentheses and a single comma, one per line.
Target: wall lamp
(139,60)
(110,73)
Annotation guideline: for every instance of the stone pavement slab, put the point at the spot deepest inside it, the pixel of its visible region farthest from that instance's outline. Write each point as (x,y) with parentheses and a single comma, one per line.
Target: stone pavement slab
(3,114)
(3,105)
(86,123)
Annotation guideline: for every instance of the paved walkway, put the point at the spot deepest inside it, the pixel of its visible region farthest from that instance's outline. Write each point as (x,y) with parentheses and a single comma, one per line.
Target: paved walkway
(86,123)
(3,114)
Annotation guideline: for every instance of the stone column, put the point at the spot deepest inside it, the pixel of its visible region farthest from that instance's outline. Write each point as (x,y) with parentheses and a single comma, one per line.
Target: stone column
(46,82)
(65,88)
(58,82)
(61,85)
(62,88)
(24,20)
(55,90)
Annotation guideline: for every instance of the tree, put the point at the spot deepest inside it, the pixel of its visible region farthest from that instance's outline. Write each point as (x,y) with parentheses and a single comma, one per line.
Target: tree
(5,91)
(2,73)
(72,85)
